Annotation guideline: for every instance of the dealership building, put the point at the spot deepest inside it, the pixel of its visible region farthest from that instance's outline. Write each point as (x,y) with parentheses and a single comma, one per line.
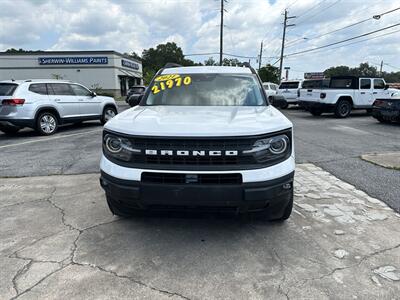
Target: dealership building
(106,71)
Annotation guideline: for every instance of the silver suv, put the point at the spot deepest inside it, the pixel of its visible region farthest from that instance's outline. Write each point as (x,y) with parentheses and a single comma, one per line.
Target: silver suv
(45,104)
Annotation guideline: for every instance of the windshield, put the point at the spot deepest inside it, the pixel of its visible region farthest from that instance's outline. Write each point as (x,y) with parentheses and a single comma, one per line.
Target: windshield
(205,90)
(7,89)
(289,85)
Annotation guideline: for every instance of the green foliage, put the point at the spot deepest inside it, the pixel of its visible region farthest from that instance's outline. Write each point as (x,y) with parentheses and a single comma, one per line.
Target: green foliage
(269,73)
(154,59)
(210,62)
(364,69)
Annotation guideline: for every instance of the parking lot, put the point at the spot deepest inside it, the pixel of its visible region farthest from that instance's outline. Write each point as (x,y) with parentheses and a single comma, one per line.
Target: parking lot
(59,239)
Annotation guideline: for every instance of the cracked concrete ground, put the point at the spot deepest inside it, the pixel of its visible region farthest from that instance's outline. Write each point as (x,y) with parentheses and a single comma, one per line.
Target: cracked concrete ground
(59,241)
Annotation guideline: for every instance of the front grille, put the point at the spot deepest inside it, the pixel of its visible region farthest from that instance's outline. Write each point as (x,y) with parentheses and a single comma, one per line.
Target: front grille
(198,163)
(171,178)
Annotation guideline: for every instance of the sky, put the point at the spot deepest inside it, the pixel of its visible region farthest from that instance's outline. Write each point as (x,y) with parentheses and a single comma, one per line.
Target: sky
(134,25)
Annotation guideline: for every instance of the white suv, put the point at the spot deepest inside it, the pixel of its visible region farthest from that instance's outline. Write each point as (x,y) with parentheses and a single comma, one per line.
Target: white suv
(45,104)
(201,138)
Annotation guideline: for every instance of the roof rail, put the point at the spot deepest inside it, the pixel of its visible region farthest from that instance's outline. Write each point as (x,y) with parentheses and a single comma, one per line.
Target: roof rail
(247,65)
(171,65)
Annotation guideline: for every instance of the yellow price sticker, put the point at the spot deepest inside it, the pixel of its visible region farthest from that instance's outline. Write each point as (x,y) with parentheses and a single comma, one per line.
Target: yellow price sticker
(167,77)
(163,82)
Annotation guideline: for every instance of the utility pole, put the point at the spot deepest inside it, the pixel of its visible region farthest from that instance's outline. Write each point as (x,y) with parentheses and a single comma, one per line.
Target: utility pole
(260,58)
(283,40)
(221,33)
(380,71)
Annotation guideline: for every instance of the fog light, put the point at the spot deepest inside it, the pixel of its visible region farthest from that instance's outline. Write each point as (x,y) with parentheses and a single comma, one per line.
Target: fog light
(287,186)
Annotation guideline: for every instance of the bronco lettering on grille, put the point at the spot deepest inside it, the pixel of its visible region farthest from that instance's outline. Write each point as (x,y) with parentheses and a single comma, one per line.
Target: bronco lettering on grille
(191,153)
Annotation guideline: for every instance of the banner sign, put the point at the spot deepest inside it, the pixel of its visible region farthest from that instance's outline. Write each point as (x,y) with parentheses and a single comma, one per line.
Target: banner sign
(83,60)
(129,64)
(314,75)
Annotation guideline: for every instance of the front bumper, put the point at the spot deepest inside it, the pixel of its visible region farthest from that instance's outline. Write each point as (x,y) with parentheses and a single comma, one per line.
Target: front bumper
(386,114)
(312,105)
(273,195)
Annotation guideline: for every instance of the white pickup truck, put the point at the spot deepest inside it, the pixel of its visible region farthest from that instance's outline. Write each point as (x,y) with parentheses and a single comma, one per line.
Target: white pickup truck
(345,93)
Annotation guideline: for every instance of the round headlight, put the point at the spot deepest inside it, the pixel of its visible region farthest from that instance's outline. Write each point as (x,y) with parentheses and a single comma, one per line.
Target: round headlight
(279,144)
(113,143)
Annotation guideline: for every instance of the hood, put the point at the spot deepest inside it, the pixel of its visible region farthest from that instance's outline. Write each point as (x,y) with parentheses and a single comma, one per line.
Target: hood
(199,121)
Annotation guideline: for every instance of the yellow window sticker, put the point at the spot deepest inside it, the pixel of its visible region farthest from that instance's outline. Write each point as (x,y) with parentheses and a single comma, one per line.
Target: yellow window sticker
(164,82)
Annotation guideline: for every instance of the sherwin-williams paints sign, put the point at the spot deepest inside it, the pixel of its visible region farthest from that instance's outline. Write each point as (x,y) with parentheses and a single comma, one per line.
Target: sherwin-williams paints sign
(129,64)
(83,60)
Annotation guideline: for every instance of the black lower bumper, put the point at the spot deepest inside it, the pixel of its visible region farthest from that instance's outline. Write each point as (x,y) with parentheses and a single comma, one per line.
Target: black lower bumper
(17,123)
(322,107)
(273,195)
(386,114)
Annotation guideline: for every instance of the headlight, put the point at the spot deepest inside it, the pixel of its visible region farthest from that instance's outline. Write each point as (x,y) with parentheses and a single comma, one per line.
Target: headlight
(270,149)
(118,147)
(278,144)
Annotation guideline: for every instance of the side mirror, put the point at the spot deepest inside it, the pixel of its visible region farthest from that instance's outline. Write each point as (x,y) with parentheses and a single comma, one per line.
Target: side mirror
(93,94)
(386,86)
(278,101)
(135,100)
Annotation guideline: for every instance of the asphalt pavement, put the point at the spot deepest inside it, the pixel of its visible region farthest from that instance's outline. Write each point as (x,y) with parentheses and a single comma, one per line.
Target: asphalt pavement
(333,144)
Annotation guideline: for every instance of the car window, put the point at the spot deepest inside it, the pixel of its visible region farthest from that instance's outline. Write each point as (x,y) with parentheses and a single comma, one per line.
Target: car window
(379,84)
(365,84)
(80,90)
(266,86)
(7,89)
(273,86)
(289,85)
(38,88)
(206,89)
(339,83)
(62,89)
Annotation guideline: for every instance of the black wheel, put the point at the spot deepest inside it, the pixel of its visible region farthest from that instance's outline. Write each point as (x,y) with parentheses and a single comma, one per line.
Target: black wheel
(119,211)
(382,120)
(285,106)
(10,130)
(343,108)
(287,212)
(109,112)
(46,123)
(315,112)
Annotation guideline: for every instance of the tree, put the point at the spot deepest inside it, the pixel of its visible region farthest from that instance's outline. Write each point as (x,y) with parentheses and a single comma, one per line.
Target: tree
(210,62)
(154,59)
(269,73)
(338,71)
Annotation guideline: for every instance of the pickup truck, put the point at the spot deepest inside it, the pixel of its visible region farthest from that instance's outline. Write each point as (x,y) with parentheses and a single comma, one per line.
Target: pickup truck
(344,94)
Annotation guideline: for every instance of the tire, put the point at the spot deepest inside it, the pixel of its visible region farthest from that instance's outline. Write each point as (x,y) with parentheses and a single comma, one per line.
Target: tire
(287,212)
(285,106)
(108,113)
(10,130)
(343,108)
(46,123)
(315,112)
(116,210)
(382,120)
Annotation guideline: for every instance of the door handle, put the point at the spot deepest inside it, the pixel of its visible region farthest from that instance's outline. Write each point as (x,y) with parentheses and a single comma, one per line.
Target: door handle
(375,93)
(362,93)
(57,100)
(80,100)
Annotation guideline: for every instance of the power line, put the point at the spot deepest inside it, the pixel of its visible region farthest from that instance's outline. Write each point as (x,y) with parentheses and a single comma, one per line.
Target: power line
(343,41)
(322,10)
(376,17)
(311,9)
(364,40)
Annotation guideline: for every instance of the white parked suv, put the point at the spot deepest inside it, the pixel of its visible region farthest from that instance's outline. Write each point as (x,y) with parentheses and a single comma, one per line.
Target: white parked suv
(45,104)
(344,94)
(201,138)
(289,90)
(271,89)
